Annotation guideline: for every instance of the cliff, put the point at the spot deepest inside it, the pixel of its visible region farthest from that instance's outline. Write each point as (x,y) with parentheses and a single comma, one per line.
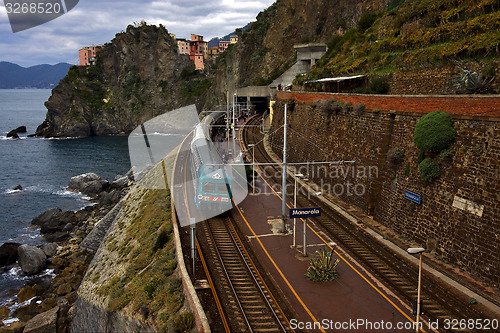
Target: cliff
(265,49)
(138,75)
(133,283)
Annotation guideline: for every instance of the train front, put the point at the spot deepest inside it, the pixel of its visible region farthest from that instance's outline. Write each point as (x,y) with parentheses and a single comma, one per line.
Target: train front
(214,194)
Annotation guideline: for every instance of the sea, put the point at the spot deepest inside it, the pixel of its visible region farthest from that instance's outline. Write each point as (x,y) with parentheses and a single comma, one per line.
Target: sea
(43,168)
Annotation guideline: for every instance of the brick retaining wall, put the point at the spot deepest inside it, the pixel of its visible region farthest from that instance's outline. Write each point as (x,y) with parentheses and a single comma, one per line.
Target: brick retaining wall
(461,106)
(460,211)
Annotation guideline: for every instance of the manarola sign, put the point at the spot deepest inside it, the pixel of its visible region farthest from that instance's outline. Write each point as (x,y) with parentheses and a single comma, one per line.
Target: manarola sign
(26,14)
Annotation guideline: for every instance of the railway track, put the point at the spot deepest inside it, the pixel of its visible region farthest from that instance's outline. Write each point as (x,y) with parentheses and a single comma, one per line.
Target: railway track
(249,305)
(438,304)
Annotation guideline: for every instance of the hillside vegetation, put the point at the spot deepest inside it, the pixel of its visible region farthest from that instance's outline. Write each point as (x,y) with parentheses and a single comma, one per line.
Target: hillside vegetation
(413,34)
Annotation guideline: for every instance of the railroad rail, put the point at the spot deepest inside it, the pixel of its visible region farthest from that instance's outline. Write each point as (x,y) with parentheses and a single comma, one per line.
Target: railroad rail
(250,306)
(244,300)
(393,271)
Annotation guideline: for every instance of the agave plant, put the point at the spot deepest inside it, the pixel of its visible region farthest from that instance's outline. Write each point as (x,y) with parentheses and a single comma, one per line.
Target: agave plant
(323,268)
(472,82)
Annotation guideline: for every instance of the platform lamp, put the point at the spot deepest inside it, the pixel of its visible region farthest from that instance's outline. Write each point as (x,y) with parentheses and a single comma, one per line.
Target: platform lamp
(295,176)
(252,145)
(419,251)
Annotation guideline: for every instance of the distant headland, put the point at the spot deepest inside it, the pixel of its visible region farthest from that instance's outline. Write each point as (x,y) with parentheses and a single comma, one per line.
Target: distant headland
(13,76)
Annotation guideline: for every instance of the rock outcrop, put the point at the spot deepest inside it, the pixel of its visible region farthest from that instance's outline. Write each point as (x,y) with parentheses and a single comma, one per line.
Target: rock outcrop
(31,259)
(88,183)
(137,77)
(8,253)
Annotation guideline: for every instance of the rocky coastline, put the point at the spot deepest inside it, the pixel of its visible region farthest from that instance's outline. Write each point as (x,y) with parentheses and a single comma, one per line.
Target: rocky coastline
(47,304)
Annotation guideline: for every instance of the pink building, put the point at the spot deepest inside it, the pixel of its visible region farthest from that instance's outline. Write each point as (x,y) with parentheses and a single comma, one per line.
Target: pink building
(223,44)
(183,46)
(198,59)
(196,48)
(87,55)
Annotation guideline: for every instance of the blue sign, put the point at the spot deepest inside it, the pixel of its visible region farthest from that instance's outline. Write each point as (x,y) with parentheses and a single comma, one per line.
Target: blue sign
(304,212)
(413,197)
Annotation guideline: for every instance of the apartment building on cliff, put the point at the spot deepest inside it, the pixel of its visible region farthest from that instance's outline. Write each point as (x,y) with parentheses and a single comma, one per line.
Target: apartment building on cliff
(198,50)
(87,55)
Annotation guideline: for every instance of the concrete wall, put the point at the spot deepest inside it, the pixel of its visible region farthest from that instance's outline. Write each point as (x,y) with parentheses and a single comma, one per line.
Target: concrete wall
(459,213)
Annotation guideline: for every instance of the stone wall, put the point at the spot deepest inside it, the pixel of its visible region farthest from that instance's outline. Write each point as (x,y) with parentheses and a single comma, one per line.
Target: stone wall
(459,213)
(437,80)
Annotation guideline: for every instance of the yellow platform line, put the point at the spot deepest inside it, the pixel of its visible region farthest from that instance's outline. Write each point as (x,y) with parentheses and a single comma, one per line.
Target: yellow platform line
(279,270)
(338,254)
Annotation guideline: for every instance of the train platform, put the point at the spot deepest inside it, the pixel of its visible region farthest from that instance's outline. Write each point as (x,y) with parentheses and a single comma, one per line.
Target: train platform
(354,302)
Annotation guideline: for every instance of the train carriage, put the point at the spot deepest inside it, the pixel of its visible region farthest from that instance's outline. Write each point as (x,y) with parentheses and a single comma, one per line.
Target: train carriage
(212,181)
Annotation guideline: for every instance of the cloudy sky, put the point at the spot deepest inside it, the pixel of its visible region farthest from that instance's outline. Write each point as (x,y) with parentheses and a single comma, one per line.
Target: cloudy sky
(97,22)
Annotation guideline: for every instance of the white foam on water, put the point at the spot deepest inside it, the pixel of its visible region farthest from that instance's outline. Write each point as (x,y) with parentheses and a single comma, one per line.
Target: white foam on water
(7,322)
(12,191)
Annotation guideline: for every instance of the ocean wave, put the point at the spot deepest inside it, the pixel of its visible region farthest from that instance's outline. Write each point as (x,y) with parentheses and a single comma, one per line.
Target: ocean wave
(11,191)
(63,192)
(15,273)
(4,137)
(63,138)
(67,193)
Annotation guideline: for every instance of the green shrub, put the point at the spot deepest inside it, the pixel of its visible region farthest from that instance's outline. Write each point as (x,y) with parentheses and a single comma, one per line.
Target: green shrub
(429,169)
(445,154)
(394,4)
(407,169)
(378,85)
(434,132)
(323,268)
(366,20)
(161,240)
(396,156)
(184,322)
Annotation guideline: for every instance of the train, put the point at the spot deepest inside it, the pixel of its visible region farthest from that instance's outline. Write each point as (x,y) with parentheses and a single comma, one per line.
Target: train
(211,178)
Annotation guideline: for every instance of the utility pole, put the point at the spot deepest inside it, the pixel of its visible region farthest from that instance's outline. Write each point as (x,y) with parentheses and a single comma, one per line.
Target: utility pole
(227,120)
(283,184)
(234,122)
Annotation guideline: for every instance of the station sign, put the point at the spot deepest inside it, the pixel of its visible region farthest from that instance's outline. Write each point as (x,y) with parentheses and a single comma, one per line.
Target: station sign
(413,197)
(305,212)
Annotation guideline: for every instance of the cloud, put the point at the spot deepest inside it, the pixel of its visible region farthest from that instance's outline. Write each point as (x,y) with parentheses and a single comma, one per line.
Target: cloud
(97,22)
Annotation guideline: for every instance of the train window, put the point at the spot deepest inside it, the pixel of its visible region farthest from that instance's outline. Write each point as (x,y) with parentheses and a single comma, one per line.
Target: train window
(208,187)
(222,188)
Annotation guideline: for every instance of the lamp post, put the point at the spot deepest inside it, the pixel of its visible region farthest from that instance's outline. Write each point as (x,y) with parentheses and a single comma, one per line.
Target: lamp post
(419,251)
(252,145)
(297,175)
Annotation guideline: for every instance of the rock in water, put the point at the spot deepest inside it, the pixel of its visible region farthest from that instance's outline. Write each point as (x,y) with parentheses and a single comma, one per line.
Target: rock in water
(31,259)
(13,134)
(88,183)
(18,188)
(8,253)
(46,216)
(25,294)
(21,129)
(58,222)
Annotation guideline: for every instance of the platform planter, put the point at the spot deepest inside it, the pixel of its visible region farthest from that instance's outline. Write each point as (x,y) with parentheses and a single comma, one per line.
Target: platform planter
(323,268)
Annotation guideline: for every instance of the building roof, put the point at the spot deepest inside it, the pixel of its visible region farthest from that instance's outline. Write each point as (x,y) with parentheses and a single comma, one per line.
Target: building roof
(335,79)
